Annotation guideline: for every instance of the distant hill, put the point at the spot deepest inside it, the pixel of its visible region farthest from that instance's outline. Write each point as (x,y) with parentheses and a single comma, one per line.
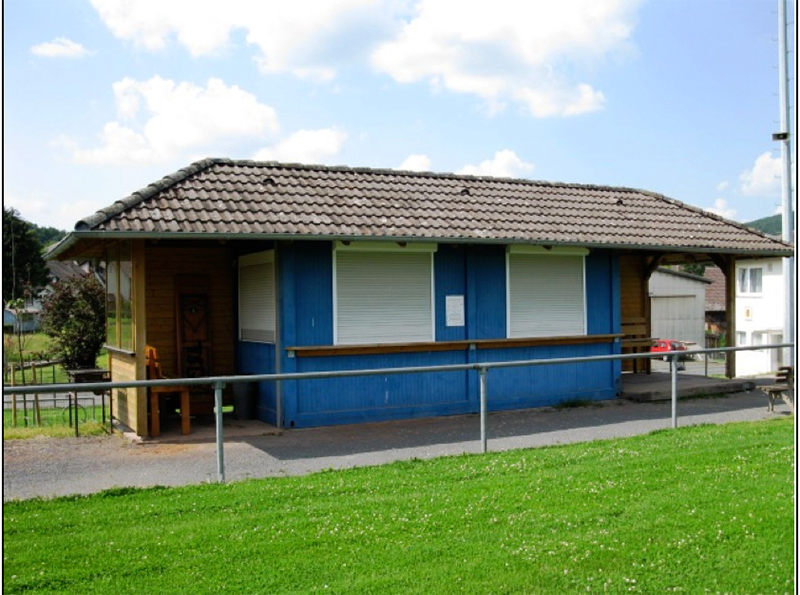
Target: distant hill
(48,235)
(768,225)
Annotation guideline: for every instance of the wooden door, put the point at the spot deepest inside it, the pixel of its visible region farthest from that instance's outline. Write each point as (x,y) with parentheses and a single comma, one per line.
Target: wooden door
(193,327)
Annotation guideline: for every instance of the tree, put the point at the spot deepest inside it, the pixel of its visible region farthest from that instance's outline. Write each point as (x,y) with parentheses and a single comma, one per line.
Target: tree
(772,225)
(18,307)
(48,235)
(23,263)
(74,316)
(694,269)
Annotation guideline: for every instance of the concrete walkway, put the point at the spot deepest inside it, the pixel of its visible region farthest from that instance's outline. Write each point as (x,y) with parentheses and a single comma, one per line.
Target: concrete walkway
(54,467)
(657,386)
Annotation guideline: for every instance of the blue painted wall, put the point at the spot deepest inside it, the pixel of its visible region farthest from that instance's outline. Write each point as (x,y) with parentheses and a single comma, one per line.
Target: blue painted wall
(305,286)
(259,358)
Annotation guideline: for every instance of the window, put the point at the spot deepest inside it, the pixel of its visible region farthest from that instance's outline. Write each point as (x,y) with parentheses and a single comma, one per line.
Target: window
(758,338)
(257,299)
(119,296)
(383,293)
(750,280)
(546,291)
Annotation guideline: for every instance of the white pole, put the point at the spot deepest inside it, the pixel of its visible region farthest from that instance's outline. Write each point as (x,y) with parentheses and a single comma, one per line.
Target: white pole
(673,368)
(786,186)
(218,417)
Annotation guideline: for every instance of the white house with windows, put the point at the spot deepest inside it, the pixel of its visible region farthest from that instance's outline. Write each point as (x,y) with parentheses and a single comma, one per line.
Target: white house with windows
(760,309)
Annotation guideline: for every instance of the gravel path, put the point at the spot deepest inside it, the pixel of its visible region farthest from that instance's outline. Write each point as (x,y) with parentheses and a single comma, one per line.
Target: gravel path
(50,467)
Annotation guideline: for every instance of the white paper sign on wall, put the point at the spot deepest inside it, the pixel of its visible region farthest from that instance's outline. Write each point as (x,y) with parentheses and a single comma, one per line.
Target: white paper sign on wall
(454,307)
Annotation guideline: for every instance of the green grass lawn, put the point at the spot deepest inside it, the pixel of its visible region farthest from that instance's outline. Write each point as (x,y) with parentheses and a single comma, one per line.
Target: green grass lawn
(706,509)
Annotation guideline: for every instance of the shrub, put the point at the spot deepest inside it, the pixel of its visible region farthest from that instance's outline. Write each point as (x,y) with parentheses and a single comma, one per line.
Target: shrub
(74,316)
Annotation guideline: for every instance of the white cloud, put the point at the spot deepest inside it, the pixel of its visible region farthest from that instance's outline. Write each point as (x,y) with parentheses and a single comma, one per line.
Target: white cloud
(722,209)
(303,36)
(416,163)
(535,54)
(514,50)
(176,117)
(149,23)
(28,206)
(722,186)
(764,178)
(305,146)
(547,102)
(60,47)
(504,164)
(48,212)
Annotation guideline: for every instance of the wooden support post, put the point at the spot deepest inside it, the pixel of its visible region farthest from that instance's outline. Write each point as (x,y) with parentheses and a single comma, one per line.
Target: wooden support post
(727,264)
(155,415)
(186,424)
(730,315)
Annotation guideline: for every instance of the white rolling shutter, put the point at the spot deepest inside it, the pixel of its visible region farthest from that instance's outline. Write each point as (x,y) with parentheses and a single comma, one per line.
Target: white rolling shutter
(257,303)
(383,296)
(546,295)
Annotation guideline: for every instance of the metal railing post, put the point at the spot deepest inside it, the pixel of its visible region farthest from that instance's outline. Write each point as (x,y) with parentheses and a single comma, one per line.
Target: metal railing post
(77,419)
(673,367)
(218,414)
(482,371)
(13,382)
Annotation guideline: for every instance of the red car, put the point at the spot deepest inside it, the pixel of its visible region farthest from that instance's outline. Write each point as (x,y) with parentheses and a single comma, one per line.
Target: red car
(669,345)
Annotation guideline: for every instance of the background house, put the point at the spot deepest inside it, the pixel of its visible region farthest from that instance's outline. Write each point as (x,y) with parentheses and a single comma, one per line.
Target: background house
(759,320)
(25,320)
(760,299)
(678,303)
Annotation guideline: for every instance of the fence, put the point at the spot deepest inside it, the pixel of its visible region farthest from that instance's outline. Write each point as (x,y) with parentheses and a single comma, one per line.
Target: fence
(67,410)
(39,371)
(483,369)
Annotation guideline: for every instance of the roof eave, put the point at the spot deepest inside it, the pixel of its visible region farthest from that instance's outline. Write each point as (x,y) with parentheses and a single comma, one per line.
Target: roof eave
(69,245)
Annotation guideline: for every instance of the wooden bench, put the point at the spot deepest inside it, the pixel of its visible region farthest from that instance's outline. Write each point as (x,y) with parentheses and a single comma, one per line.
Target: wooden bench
(783,388)
(156,392)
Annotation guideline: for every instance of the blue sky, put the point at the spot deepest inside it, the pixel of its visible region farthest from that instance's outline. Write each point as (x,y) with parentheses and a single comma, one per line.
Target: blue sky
(678,97)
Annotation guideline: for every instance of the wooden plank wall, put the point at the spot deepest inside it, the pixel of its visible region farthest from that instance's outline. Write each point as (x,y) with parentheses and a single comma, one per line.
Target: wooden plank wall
(164,262)
(127,406)
(633,287)
(635,305)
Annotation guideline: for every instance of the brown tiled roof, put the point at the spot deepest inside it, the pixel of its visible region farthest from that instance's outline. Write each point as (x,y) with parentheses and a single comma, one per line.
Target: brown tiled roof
(259,199)
(66,269)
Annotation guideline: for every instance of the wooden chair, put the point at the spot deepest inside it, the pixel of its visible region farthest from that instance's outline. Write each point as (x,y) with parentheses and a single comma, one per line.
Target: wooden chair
(636,340)
(156,392)
(783,388)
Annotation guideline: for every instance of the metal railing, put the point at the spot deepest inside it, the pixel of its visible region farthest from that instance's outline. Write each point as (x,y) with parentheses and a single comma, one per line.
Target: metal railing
(218,383)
